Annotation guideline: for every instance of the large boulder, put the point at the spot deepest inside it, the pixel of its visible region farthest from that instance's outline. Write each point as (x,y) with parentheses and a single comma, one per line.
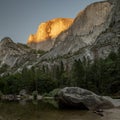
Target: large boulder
(75,97)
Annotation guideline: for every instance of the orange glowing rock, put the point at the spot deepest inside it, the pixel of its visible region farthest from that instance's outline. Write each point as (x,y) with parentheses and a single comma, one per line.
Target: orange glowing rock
(50,30)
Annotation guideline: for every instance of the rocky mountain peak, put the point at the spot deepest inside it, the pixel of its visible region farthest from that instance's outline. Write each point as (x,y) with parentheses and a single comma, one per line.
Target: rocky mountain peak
(85,29)
(13,53)
(45,36)
(6,41)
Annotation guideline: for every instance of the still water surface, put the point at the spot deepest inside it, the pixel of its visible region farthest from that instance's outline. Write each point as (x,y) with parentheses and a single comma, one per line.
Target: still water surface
(45,111)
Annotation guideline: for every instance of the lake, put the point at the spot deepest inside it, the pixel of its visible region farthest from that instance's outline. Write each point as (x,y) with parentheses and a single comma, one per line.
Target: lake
(45,111)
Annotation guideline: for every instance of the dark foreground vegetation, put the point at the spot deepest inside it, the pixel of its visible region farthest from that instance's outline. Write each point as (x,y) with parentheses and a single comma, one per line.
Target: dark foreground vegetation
(102,77)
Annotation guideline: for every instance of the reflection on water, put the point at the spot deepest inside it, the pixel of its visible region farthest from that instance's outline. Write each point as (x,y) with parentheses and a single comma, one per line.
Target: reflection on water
(44,111)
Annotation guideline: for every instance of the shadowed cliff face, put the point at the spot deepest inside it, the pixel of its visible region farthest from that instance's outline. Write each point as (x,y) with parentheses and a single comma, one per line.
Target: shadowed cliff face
(87,26)
(94,33)
(43,39)
(14,54)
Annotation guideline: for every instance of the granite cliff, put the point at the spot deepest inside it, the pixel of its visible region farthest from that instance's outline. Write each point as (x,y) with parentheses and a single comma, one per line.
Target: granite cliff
(87,26)
(45,36)
(14,55)
(94,33)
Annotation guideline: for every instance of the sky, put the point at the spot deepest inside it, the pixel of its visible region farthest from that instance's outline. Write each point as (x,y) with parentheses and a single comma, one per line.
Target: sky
(20,18)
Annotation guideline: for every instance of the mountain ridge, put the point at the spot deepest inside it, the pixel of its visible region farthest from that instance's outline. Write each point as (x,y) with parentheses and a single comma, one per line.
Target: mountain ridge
(78,36)
(106,41)
(74,43)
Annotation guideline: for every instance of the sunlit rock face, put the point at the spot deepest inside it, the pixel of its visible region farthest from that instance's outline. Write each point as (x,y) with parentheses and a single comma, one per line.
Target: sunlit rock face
(45,36)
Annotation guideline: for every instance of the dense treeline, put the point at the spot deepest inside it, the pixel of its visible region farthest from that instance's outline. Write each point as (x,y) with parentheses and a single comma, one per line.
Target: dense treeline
(30,80)
(102,76)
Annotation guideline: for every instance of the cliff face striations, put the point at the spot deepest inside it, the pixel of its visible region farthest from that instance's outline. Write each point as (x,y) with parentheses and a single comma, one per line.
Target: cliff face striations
(87,26)
(45,36)
(14,54)
(94,33)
